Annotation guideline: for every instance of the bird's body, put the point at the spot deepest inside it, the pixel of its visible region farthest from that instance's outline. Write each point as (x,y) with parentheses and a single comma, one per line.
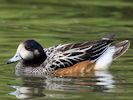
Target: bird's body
(67,59)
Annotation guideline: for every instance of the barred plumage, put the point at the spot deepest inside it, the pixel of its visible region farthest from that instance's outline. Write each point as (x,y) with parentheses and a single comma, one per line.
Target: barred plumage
(62,56)
(96,55)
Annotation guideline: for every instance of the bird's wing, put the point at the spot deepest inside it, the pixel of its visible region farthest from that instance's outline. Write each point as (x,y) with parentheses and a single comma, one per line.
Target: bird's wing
(62,56)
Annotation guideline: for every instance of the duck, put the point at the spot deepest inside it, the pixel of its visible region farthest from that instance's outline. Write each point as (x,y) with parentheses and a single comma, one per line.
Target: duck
(67,59)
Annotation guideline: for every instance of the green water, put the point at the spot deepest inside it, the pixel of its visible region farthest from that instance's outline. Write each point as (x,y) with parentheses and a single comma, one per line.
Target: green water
(51,22)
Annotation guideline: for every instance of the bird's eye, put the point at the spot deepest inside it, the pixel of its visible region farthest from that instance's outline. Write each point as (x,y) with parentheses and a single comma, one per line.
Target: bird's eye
(28,47)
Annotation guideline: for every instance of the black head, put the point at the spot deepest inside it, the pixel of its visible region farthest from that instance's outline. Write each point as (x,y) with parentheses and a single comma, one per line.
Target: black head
(31,52)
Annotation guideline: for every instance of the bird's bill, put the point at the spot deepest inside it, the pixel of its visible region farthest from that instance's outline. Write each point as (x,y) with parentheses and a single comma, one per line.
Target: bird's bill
(15,58)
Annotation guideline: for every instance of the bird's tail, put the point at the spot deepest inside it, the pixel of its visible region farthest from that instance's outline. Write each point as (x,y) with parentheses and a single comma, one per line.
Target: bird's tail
(121,48)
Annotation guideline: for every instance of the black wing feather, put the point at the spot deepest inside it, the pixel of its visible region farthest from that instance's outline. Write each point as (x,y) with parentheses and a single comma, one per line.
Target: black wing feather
(69,54)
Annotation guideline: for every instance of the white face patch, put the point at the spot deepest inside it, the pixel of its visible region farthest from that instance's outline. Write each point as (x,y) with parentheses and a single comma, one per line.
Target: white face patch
(17,56)
(25,54)
(19,48)
(36,52)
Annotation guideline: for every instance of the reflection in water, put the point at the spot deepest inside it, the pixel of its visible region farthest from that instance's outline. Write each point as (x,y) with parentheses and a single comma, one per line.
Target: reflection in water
(102,81)
(23,92)
(30,88)
(105,79)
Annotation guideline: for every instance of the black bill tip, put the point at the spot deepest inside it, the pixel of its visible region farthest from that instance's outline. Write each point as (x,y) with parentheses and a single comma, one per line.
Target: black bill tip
(9,62)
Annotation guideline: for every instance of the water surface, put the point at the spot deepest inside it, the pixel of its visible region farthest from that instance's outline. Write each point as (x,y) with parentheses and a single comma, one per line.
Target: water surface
(51,22)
